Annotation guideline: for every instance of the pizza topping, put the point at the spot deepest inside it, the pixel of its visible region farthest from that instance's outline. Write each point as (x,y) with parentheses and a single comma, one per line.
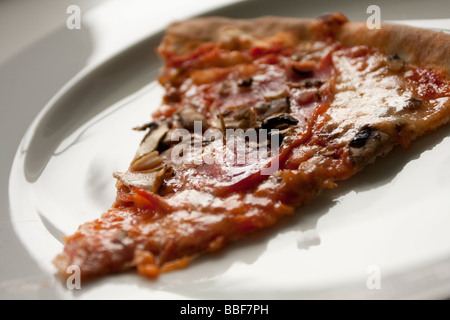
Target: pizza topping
(234,39)
(368,144)
(238,118)
(334,109)
(413,104)
(146,162)
(306,84)
(314,83)
(266,109)
(149,180)
(394,62)
(303,69)
(245,83)
(361,137)
(327,24)
(145,263)
(276,94)
(149,125)
(152,139)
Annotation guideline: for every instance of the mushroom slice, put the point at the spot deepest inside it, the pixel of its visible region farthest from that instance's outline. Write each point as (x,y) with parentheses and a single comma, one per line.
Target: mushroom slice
(188,116)
(149,180)
(303,69)
(152,140)
(146,162)
(413,104)
(266,109)
(149,125)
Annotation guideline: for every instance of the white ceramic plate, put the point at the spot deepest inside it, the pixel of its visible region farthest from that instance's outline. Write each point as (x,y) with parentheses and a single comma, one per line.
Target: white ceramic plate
(382,234)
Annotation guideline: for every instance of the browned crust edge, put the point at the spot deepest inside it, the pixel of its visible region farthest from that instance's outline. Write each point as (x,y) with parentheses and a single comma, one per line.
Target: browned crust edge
(417,46)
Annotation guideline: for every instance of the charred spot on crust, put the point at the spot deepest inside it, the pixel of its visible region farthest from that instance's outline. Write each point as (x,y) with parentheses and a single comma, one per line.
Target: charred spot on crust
(361,137)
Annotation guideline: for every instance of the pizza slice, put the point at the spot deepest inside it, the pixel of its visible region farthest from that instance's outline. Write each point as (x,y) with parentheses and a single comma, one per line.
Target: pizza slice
(260,116)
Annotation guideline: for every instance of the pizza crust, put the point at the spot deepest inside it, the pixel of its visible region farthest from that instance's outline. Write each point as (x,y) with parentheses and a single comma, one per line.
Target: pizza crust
(184,36)
(417,46)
